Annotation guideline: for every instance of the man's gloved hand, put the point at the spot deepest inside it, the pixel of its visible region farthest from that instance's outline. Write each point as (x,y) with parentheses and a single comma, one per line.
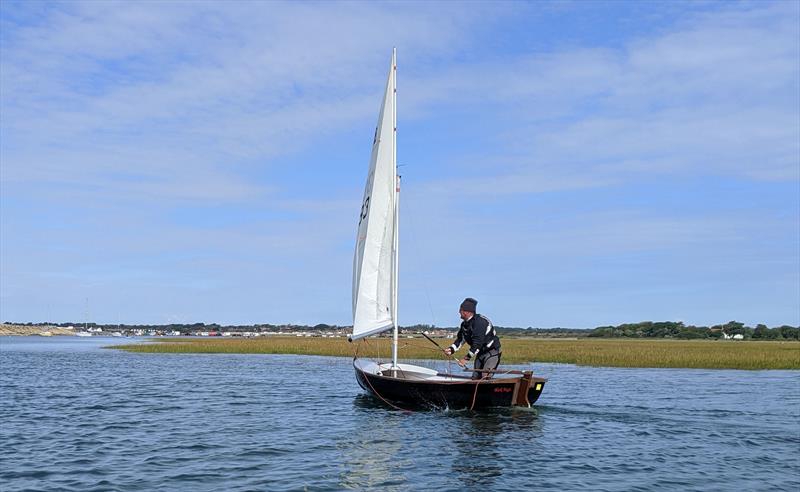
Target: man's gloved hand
(448,351)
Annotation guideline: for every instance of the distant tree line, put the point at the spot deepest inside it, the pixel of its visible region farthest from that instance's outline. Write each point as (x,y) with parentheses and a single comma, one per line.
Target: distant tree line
(644,329)
(676,329)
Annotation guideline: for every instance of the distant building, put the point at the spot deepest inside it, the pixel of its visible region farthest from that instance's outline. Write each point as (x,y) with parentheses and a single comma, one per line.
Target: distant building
(737,336)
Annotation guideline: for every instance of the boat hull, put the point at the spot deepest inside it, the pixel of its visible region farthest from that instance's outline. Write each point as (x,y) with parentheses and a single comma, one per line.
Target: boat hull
(408,388)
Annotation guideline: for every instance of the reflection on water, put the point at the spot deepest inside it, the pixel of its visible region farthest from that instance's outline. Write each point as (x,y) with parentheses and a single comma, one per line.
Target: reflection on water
(76,417)
(480,460)
(371,453)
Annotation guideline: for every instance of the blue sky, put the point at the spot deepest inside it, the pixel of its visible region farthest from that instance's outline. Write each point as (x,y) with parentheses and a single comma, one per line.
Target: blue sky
(566,163)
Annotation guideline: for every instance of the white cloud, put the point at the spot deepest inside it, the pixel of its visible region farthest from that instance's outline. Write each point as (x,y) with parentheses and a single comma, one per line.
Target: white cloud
(717,96)
(187,87)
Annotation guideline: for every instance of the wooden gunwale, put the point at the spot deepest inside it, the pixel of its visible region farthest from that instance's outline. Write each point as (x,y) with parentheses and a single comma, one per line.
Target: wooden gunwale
(499,371)
(467,380)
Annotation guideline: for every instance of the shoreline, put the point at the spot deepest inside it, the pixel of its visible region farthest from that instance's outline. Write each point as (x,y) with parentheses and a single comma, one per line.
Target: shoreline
(29,331)
(685,354)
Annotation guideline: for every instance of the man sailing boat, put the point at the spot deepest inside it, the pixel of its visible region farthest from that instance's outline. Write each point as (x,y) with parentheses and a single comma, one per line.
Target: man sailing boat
(375,287)
(478,332)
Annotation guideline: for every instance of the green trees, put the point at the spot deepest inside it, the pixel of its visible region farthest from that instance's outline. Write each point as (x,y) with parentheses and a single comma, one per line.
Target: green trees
(762,332)
(784,332)
(676,329)
(788,332)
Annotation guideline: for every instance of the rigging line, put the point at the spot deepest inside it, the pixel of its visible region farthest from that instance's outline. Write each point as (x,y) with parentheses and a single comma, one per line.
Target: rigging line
(429,362)
(381,397)
(419,346)
(376,347)
(475,395)
(426,347)
(413,236)
(376,391)
(440,348)
(365,340)
(447,359)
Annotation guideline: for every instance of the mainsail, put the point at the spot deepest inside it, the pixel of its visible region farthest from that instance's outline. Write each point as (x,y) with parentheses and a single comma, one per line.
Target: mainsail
(374,262)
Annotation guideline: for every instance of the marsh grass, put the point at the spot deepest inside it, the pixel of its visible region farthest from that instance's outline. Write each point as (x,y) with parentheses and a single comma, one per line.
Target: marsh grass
(585,352)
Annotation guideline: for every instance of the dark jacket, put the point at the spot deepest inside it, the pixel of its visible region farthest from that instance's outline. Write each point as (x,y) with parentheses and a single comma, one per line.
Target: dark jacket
(479,333)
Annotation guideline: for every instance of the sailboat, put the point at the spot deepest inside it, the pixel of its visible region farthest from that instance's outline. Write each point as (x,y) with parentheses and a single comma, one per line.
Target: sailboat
(375,279)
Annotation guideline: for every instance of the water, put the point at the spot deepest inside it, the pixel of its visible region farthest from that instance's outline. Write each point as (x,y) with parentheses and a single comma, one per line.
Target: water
(77,417)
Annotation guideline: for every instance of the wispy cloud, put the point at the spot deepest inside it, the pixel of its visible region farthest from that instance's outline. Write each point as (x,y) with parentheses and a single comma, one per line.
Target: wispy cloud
(718,95)
(169,90)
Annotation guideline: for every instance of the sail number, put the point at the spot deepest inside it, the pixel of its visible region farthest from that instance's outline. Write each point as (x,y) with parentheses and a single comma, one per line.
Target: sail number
(364,210)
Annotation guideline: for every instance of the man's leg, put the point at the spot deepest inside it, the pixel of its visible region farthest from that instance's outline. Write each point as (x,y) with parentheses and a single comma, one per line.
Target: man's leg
(491,361)
(480,361)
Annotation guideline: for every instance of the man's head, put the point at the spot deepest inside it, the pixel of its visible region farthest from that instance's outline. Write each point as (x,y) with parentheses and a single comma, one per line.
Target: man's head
(467,308)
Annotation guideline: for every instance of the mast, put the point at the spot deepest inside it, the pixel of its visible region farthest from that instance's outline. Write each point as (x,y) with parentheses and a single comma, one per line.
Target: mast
(395,246)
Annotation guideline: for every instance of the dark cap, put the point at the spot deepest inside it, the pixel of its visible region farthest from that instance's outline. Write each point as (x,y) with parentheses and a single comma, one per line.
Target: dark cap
(469,305)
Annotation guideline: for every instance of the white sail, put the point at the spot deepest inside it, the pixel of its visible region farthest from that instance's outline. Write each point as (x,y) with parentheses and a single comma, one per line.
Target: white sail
(374,272)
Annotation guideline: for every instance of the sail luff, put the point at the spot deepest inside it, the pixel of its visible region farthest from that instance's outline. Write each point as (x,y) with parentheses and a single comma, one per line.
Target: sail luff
(373,262)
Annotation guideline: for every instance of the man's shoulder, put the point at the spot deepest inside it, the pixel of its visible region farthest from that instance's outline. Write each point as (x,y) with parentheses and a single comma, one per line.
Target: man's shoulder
(479,318)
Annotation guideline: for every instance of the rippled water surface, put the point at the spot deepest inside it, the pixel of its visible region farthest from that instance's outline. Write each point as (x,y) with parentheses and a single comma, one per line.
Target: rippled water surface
(77,417)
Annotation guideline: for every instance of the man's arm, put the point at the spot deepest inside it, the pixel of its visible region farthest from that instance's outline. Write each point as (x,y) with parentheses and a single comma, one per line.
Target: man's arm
(457,344)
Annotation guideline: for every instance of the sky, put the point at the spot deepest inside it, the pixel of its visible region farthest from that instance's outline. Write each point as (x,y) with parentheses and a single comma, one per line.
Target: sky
(568,164)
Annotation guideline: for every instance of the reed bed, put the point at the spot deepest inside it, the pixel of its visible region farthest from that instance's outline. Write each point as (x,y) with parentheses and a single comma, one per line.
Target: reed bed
(701,354)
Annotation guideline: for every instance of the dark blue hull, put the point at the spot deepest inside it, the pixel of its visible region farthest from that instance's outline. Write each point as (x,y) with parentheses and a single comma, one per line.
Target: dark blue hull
(429,390)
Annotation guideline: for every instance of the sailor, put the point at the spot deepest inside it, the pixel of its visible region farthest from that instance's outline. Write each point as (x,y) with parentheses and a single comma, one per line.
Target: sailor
(478,332)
